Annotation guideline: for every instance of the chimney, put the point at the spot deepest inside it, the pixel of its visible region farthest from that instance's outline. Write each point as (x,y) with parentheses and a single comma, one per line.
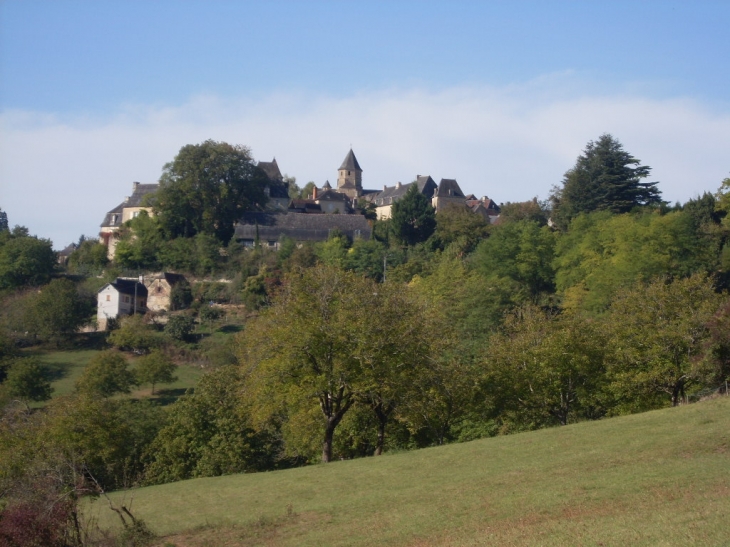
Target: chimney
(134,186)
(398,185)
(314,192)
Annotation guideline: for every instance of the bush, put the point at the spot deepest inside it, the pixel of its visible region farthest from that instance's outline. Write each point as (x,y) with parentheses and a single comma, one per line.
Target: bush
(135,335)
(180,327)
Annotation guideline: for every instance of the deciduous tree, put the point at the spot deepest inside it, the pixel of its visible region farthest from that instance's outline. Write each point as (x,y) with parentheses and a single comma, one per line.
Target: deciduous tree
(155,368)
(206,188)
(106,374)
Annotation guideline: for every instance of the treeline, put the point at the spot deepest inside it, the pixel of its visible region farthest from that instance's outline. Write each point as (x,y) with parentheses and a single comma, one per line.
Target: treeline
(602,301)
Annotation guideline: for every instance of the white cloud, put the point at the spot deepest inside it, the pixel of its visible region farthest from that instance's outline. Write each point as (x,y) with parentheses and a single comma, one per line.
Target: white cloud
(58,176)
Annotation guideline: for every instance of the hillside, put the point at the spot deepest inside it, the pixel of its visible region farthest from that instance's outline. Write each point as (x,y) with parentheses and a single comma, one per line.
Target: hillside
(658,478)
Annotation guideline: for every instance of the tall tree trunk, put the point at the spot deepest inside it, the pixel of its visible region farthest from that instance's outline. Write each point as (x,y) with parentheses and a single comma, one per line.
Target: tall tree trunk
(382,413)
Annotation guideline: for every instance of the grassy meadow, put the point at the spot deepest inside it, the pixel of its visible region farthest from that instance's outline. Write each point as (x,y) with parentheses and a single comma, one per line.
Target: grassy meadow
(658,478)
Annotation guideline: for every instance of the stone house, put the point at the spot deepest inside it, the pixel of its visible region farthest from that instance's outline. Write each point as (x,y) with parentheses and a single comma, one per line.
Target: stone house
(121,297)
(159,290)
(276,190)
(384,200)
(448,194)
(127,210)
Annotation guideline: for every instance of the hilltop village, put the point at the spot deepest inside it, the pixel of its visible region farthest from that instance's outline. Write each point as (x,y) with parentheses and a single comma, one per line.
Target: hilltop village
(313,218)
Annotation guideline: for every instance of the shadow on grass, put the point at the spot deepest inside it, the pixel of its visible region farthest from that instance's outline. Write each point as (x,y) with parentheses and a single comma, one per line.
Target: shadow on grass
(164,397)
(230,329)
(58,371)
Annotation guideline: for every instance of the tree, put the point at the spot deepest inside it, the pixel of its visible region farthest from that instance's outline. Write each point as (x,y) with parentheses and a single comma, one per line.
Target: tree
(603,178)
(318,347)
(89,258)
(106,374)
(461,227)
(521,251)
(602,253)
(659,332)
(206,188)
(413,219)
(4,221)
(209,432)
(57,311)
(155,368)
(27,380)
(24,259)
(135,335)
(180,327)
(545,369)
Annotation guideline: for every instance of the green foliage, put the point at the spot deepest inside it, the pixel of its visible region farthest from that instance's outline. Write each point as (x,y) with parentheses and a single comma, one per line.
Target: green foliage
(365,257)
(206,188)
(155,368)
(209,433)
(603,178)
(140,242)
(461,227)
(534,210)
(106,374)
(521,252)
(135,335)
(58,310)
(28,380)
(181,296)
(413,219)
(316,352)
(601,253)
(333,251)
(659,333)
(180,327)
(545,369)
(24,260)
(89,258)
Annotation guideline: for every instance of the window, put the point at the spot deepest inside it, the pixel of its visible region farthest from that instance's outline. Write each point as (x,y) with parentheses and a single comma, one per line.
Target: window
(126,300)
(114,220)
(108,297)
(135,214)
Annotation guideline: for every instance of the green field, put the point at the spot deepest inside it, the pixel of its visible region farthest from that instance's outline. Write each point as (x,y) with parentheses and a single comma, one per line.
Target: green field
(658,478)
(67,366)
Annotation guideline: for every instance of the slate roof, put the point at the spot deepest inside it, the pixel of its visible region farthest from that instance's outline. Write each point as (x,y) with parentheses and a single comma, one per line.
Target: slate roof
(305,206)
(126,286)
(271,168)
(299,226)
(139,191)
(449,188)
(350,162)
(391,194)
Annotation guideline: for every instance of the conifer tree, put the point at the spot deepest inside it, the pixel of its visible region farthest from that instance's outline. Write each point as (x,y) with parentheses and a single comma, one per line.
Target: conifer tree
(605,177)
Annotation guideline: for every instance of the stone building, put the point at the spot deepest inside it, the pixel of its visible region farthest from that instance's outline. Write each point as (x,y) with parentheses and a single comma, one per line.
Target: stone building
(159,290)
(127,210)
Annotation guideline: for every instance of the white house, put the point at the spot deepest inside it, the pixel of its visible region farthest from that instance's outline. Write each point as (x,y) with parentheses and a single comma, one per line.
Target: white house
(118,298)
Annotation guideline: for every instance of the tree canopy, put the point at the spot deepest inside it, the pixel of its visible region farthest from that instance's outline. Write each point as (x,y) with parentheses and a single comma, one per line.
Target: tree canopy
(605,177)
(413,219)
(206,188)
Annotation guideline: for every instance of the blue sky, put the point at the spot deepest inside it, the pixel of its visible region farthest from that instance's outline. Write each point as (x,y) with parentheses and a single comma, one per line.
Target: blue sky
(502,96)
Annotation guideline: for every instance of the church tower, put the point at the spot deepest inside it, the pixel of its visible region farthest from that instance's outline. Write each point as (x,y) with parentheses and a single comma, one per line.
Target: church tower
(349,176)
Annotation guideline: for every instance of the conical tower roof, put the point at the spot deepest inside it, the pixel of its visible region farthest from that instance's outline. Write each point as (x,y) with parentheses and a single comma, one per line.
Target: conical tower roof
(350,163)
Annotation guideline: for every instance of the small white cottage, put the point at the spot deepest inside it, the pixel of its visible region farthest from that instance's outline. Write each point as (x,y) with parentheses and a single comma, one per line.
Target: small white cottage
(122,297)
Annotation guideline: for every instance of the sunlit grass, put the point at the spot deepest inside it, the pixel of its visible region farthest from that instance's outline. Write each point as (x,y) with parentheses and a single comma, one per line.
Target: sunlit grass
(659,478)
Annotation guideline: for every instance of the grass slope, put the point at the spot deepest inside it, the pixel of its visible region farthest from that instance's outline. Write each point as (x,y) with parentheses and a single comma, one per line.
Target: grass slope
(659,478)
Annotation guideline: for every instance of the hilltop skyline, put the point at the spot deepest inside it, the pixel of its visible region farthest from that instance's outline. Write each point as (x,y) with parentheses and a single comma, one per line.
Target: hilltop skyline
(501,97)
